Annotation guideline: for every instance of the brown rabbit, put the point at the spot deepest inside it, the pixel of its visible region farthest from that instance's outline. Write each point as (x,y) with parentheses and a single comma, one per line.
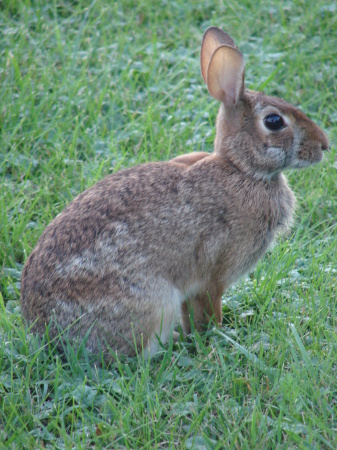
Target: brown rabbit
(159,240)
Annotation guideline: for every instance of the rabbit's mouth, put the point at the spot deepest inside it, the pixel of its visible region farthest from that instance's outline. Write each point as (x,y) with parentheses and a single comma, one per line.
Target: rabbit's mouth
(307,156)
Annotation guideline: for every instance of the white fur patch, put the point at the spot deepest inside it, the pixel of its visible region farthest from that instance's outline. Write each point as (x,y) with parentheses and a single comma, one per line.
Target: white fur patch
(98,260)
(192,289)
(168,300)
(276,154)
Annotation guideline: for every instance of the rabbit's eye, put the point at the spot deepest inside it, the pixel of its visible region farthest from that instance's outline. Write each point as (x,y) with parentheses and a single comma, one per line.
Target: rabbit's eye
(273,122)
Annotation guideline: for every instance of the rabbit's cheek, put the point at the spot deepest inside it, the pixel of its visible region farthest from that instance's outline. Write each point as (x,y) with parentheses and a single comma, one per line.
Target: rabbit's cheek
(276,156)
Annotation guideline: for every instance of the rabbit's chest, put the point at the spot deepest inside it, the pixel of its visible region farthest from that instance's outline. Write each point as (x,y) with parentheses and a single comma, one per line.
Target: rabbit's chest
(251,227)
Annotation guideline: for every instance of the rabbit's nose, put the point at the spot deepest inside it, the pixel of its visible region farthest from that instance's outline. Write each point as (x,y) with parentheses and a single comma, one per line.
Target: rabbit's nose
(324,141)
(318,136)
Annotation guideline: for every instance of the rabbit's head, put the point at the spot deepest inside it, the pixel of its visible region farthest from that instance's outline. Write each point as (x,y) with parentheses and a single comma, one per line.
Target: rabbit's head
(258,134)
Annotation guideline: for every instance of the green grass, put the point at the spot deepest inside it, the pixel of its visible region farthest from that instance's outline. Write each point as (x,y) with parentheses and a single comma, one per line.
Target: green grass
(88,88)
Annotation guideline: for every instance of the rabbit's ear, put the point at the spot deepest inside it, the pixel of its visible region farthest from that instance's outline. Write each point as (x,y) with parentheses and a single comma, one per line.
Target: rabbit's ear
(212,39)
(225,75)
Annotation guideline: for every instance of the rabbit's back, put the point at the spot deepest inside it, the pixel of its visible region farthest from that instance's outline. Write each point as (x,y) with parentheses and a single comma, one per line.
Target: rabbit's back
(110,259)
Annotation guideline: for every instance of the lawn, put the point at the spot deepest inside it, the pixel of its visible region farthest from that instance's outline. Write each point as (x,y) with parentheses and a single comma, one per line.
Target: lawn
(88,88)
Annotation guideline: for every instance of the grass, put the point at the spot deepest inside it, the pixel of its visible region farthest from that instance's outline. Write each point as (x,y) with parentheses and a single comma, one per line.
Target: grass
(88,88)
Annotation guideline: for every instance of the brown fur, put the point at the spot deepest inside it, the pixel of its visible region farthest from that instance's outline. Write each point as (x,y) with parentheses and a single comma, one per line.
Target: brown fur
(190,158)
(161,239)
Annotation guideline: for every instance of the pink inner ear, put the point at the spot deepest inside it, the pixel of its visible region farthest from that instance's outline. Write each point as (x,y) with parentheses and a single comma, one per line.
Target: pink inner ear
(213,38)
(225,75)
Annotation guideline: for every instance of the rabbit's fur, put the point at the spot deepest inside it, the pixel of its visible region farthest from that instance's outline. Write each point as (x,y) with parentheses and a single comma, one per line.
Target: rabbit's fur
(159,240)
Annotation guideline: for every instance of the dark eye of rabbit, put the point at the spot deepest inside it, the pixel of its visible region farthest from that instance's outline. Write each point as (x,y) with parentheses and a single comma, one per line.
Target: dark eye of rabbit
(273,122)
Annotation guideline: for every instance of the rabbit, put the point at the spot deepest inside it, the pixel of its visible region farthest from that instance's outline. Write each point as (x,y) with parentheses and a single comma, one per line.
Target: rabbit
(152,243)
